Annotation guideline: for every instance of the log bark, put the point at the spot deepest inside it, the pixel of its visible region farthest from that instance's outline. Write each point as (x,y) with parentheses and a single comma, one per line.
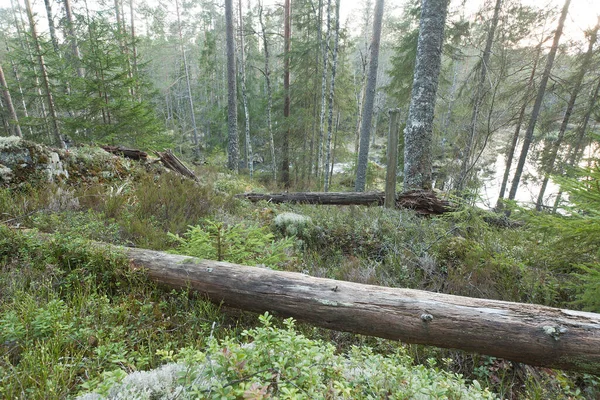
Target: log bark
(170,161)
(532,334)
(122,151)
(423,202)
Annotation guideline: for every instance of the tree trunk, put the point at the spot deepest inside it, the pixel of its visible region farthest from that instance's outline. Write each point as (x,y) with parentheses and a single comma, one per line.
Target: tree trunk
(538,102)
(188,84)
(419,125)
(285,148)
(575,152)
(367,111)
(466,166)
(269,93)
(423,202)
(528,333)
(331,96)
(16,128)
(515,138)
(51,27)
(249,153)
(233,147)
(563,126)
(392,158)
(51,107)
(73,38)
(325,52)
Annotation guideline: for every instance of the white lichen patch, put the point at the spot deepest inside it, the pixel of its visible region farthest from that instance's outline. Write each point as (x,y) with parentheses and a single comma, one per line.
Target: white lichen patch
(8,142)
(291,224)
(6,174)
(55,167)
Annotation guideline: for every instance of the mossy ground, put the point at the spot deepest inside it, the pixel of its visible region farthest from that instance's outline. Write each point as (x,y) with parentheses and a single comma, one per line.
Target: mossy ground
(70,313)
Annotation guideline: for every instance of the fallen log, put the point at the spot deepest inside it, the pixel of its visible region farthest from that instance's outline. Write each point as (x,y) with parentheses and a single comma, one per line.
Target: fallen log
(423,202)
(133,154)
(527,333)
(171,161)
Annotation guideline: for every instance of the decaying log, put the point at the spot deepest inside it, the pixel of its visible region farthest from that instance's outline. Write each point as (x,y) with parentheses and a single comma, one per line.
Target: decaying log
(527,333)
(423,202)
(134,154)
(170,161)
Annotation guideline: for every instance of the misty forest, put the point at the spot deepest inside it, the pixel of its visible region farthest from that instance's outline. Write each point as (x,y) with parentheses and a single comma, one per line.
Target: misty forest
(299,199)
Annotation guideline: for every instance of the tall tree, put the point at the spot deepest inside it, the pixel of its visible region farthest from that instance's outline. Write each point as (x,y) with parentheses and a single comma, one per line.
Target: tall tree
(325,48)
(51,27)
(188,84)
(285,148)
(418,133)
(538,101)
(267,74)
(72,38)
(367,111)
(478,100)
(585,64)
(45,79)
(242,65)
(331,96)
(16,128)
(233,147)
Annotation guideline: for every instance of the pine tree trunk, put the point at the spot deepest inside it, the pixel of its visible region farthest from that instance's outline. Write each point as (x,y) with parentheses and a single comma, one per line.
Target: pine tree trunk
(16,128)
(189,86)
(331,96)
(418,134)
(563,126)
(466,166)
(269,93)
(513,144)
(51,107)
(538,102)
(233,147)
(285,148)
(21,94)
(367,111)
(242,63)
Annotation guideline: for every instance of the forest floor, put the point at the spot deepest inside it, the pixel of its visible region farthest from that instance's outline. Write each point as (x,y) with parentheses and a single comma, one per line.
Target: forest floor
(75,320)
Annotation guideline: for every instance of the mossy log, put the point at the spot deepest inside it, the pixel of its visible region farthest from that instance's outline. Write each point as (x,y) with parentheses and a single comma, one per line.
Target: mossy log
(527,333)
(133,154)
(423,202)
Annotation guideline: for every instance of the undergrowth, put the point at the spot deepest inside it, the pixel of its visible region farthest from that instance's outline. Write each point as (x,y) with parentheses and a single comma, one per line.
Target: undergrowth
(73,318)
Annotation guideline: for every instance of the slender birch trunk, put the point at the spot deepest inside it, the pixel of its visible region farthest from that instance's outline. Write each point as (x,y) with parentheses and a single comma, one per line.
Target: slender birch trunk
(538,102)
(466,166)
(269,92)
(73,38)
(367,112)
(51,27)
(571,104)
(331,94)
(188,83)
(51,107)
(325,53)
(16,128)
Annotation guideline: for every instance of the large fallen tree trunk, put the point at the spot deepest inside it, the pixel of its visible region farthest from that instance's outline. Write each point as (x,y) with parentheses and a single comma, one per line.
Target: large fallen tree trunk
(527,333)
(423,202)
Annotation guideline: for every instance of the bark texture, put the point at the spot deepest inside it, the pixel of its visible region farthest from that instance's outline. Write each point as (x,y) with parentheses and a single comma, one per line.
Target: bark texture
(285,148)
(15,127)
(367,111)
(269,93)
(233,146)
(419,125)
(538,102)
(527,333)
(392,158)
(423,202)
(331,97)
